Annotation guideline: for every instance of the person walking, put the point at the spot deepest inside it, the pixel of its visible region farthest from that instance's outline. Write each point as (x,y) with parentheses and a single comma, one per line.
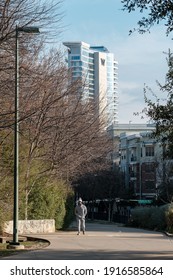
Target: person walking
(80,212)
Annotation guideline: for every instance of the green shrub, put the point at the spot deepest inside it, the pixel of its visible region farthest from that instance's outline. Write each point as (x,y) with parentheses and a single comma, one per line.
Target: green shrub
(140,217)
(169,218)
(5,215)
(60,212)
(1,221)
(69,206)
(157,219)
(149,217)
(50,202)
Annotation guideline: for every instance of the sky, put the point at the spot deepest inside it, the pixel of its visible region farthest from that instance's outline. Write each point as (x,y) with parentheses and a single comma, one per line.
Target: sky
(141,58)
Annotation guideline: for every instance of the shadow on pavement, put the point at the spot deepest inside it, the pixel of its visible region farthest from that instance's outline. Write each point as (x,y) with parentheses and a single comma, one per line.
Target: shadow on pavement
(96,255)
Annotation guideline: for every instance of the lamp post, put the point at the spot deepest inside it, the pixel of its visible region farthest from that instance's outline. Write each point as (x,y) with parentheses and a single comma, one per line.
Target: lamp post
(26,29)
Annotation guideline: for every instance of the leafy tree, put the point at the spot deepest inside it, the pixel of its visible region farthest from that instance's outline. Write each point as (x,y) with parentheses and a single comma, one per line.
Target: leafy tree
(154,11)
(105,184)
(6,175)
(161,110)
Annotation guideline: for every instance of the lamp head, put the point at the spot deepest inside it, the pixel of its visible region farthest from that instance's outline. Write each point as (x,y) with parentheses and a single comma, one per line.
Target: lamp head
(28,29)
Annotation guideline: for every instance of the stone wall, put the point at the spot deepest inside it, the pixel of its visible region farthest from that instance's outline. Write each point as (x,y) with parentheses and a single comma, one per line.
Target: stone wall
(31,226)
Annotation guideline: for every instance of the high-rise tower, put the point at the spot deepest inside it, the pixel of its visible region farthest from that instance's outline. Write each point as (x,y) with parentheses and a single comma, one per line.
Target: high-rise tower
(98,67)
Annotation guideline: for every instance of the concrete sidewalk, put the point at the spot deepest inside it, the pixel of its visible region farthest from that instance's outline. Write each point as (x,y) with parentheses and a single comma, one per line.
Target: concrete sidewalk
(102,242)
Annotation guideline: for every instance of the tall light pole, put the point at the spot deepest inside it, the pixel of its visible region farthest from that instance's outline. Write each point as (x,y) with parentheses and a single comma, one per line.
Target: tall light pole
(26,29)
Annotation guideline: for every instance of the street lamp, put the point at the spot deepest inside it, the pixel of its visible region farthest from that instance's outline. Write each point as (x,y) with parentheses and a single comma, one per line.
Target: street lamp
(25,29)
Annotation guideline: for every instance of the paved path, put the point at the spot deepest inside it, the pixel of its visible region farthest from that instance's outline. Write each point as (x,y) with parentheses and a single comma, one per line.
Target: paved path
(103,242)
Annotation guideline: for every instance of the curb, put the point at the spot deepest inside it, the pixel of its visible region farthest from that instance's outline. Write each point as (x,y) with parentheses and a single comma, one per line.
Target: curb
(168,234)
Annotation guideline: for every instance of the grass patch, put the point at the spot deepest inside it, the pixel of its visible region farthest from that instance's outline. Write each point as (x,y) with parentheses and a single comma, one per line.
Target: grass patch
(29,245)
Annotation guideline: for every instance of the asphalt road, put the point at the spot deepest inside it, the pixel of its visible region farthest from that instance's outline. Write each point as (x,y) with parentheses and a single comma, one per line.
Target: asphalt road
(102,242)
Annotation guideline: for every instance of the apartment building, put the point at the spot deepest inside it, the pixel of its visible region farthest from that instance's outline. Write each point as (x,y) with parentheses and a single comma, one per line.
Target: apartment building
(129,128)
(97,67)
(139,160)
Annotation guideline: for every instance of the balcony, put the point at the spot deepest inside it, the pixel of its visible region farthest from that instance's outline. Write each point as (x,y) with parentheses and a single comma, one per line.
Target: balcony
(133,158)
(133,175)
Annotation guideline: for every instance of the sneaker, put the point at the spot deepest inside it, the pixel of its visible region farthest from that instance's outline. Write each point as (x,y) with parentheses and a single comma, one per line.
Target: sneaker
(83,232)
(78,233)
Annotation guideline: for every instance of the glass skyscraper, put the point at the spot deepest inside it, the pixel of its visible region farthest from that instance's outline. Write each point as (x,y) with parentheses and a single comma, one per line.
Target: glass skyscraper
(98,68)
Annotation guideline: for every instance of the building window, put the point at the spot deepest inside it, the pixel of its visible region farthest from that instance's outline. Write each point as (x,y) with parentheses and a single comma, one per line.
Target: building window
(150,185)
(133,158)
(76,63)
(75,57)
(85,53)
(149,167)
(149,151)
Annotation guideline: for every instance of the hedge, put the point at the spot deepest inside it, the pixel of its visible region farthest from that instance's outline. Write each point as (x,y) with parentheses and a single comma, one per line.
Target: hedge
(155,218)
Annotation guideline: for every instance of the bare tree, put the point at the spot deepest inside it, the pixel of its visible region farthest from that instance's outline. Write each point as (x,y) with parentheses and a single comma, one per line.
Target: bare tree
(60,135)
(47,15)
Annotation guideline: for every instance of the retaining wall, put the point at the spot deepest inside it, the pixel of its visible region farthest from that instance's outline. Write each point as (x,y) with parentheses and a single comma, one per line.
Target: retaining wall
(31,226)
